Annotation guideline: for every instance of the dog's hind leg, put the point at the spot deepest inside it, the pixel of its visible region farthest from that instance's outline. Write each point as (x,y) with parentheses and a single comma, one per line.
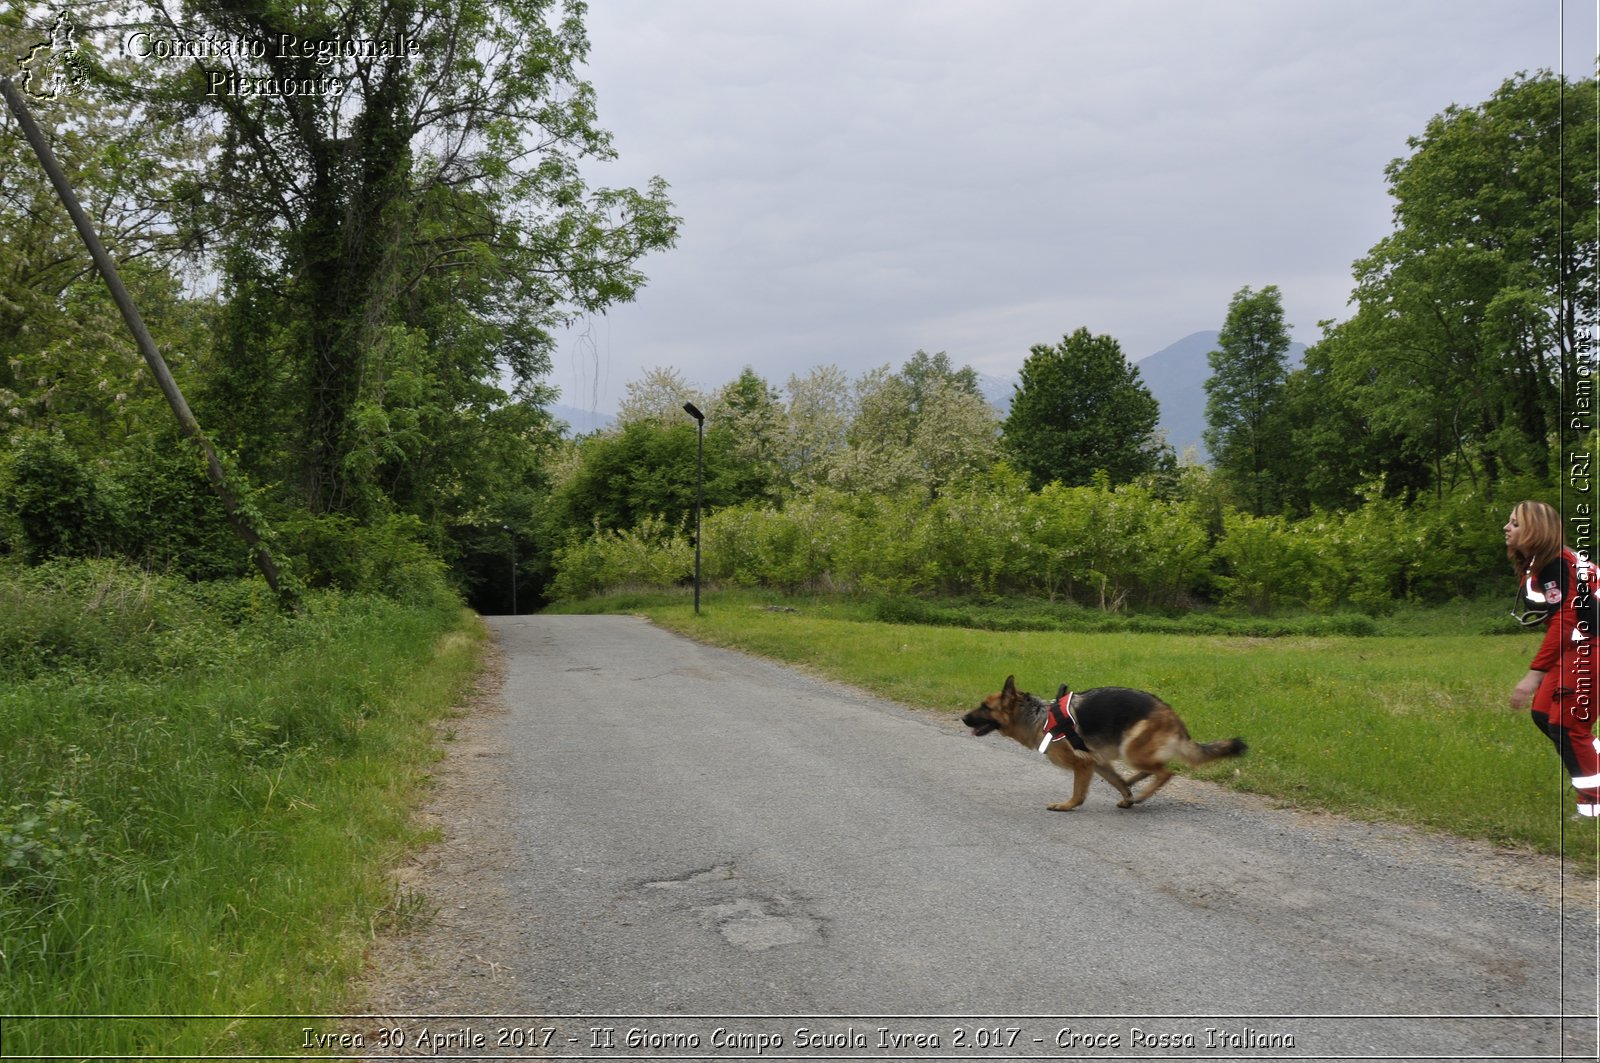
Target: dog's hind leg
(1081,774)
(1124,786)
(1157,781)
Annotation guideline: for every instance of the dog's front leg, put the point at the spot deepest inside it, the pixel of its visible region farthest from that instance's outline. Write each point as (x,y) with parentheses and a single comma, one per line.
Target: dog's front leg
(1081,775)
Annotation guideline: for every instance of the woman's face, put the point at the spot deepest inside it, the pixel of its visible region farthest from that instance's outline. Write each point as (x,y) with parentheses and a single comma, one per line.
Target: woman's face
(1514,532)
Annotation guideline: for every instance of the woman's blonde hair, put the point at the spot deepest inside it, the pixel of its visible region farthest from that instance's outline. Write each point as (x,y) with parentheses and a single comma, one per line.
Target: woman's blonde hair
(1540,537)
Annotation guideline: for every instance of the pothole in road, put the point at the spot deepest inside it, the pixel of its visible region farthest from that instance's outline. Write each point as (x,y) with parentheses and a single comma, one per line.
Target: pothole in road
(745,916)
(711,875)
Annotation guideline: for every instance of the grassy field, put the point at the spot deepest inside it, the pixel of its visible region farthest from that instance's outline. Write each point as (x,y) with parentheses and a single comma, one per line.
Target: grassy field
(1405,727)
(200,797)
(201,801)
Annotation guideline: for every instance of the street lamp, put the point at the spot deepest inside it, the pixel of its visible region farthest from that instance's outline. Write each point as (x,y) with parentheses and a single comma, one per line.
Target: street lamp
(513,536)
(699,491)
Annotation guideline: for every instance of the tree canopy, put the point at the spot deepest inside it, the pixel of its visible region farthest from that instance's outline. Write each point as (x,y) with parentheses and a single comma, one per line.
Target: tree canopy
(347,234)
(1247,433)
(1081,408)
(360,291)
(1470,314)
(390,249)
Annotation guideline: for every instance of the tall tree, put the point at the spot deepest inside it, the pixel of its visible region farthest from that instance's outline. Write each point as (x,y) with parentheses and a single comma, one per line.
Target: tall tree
(925,426)
(411,214)
(1247,432)
(927,373)
(67,362)
(659,395)
(749,412)
(818,415)
(957,435)
(919,428)
(1471,314)
(1080,408)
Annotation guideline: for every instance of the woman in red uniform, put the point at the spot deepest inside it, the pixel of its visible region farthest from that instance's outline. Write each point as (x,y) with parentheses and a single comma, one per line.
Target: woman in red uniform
(1555,588)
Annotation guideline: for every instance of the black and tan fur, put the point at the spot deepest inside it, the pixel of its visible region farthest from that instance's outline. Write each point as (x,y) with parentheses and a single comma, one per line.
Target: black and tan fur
(1116,723)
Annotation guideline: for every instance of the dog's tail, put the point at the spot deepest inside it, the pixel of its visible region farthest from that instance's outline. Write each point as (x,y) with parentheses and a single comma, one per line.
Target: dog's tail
(1195,754)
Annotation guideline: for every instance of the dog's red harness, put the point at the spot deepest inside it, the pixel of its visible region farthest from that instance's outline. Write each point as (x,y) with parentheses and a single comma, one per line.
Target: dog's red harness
(1060,724)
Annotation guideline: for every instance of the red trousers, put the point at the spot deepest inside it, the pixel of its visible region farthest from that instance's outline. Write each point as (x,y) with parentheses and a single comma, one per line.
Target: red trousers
(1565,708)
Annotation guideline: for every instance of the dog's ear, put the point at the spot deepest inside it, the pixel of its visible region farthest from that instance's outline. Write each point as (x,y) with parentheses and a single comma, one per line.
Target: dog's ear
(1010,689)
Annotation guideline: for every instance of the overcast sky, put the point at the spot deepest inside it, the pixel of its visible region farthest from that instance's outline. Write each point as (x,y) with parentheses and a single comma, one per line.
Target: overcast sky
(861,180)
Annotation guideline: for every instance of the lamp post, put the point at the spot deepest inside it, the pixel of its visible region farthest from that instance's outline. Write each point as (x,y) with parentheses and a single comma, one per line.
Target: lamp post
(513,536)
(699,490)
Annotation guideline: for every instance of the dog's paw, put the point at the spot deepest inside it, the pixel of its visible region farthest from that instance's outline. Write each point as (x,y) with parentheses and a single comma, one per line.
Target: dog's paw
(1126,802)
(1064,806)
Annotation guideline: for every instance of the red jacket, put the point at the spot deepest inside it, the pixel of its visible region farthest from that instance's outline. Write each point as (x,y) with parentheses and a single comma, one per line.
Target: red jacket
(1566,584)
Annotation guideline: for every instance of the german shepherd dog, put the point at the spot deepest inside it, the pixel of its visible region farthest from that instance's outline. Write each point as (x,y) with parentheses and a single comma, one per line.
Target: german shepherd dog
(1094,728)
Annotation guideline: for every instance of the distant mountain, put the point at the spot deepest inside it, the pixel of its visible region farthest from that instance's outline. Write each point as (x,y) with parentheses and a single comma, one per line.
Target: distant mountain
(1176,375)
(997,390)
(580,422)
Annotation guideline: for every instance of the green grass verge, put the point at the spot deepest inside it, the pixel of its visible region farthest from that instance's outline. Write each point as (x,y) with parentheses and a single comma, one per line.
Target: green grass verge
(993,613)
(1411,728)
(201,800)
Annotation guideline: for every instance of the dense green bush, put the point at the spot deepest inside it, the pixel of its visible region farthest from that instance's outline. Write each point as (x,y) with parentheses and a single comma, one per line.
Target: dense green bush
(1114,546)
(1168,545)
(651,554)
(883,547)
(1264,563)
(387,556)
(106,616)
(172,519)
(151,504)
(973,539)
(790,549)
(61,504)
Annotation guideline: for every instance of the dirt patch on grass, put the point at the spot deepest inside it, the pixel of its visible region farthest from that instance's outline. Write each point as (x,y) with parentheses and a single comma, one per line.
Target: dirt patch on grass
(445,954)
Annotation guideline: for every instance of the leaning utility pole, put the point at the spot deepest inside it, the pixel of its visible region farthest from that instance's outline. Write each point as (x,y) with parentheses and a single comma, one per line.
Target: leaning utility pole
(239,521)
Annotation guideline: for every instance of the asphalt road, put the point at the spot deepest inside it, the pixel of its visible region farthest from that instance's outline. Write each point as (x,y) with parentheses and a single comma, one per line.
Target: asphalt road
(707,852)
